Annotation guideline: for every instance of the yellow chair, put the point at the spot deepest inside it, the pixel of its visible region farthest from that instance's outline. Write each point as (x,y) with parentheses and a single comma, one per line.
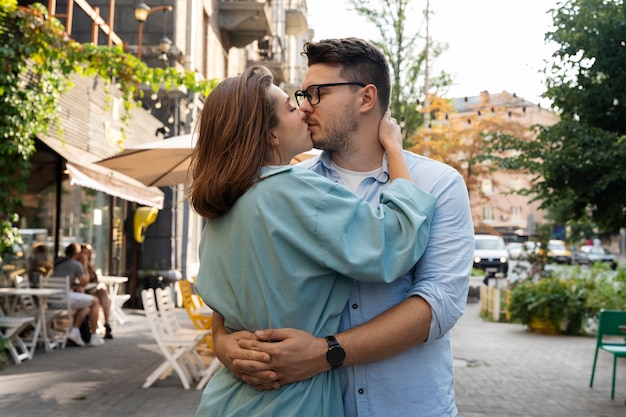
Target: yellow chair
(200,314)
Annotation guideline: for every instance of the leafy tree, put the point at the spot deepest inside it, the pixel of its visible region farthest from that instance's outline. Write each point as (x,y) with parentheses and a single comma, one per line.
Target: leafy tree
(579,164)
(459,139)
(36,60)
(578,171)
(404,43)
(586,77)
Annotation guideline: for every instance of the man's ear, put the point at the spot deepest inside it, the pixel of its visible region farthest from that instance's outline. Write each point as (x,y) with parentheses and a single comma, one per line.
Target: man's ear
(369,96)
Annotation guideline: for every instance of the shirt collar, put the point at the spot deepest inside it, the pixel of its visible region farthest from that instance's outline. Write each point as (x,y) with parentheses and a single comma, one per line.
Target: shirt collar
(269,170)
(324,161)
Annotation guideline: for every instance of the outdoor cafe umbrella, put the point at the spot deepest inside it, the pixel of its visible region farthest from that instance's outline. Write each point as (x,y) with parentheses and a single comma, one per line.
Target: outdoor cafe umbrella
(164,162)
(159,163)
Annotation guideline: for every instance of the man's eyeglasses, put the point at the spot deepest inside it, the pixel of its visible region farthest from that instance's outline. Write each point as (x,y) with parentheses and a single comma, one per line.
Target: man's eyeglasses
(312,92)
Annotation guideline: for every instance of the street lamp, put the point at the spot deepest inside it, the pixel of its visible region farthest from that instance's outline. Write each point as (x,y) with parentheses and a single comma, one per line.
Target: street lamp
(164,46)
(142,11)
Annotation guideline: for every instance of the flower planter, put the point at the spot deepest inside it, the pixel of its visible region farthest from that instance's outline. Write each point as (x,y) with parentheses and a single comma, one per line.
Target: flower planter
(543,326)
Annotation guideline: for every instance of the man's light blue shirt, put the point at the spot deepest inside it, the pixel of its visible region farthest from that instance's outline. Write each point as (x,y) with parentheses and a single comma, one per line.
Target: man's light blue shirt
(420,381)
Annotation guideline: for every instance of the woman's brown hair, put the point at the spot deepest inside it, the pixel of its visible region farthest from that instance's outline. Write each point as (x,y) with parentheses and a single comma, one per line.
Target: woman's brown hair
(234,140)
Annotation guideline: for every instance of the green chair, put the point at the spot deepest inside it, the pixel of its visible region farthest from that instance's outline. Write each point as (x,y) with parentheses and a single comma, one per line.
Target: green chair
(611,323)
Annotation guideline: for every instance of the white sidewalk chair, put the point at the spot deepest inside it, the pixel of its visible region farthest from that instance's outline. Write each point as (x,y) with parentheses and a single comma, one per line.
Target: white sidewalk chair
(175,347)
(25,306)
(209,372)
(10,328)
(59,315)
(167,310)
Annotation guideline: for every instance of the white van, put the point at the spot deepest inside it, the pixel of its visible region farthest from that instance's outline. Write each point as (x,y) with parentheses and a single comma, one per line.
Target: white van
(490,254)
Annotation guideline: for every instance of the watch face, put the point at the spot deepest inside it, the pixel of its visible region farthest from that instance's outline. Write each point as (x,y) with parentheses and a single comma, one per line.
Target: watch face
(336,355)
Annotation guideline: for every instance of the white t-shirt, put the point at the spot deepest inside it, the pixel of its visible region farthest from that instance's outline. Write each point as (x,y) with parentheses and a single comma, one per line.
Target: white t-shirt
(352,179)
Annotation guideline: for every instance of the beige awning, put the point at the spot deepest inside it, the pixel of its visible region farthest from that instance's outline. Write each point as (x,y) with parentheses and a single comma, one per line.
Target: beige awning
(85,173)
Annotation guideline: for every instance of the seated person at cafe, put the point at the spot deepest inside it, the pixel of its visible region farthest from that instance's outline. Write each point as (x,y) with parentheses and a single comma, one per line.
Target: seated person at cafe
(83,304)
(39,264)
(98,290)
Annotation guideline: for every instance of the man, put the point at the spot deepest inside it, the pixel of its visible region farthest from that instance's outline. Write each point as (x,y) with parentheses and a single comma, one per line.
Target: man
(82,304)
(393,352)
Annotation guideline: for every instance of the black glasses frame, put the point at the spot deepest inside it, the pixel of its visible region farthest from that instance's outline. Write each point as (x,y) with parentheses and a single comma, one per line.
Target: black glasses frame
(300,94)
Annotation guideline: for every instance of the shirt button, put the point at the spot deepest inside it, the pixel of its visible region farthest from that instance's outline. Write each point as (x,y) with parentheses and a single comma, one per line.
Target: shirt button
(355,306)
(361,390)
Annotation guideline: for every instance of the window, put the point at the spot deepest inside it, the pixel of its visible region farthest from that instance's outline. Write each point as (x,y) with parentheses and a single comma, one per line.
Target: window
(487,213)
(516,213)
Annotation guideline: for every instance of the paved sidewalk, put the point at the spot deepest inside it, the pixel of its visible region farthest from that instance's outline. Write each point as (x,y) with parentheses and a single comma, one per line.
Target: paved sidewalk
(505,371)
(103,381)
(502,371)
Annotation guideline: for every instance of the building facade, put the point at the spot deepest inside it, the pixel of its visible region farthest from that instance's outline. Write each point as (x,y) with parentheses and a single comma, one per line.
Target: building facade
(496,207)
(213,38)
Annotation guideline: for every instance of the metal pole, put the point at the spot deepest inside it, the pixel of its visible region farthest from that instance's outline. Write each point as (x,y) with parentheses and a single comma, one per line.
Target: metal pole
(165,9)
(139,40)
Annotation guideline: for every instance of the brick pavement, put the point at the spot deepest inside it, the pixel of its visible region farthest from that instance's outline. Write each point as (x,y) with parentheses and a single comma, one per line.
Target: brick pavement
(502,371)
(506,371)
(93,382)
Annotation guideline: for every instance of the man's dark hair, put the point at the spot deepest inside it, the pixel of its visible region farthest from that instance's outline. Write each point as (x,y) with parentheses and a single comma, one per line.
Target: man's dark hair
(360,61)
(72,249)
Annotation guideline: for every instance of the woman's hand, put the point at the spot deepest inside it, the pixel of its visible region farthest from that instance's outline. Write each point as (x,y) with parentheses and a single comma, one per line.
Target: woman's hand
(390,133)
(390,137)
(248,364)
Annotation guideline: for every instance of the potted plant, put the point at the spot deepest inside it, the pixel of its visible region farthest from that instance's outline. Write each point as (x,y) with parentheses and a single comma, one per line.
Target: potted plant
(567,301)
(551,304)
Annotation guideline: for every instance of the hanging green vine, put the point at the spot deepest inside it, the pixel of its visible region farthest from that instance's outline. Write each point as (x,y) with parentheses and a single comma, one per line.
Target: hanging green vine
(37,58)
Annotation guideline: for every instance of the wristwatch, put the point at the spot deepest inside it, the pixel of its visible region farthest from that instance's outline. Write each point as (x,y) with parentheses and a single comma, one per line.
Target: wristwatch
(335,354)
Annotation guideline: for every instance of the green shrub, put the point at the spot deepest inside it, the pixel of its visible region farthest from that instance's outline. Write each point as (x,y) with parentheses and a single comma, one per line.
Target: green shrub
(568,297)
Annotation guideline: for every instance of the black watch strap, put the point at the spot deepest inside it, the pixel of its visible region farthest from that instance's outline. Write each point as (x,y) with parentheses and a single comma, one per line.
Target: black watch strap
(335,355)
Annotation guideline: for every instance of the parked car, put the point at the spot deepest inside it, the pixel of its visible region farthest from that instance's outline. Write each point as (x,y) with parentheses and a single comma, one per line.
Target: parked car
(588,254)
(515,250)
(490,254)
(558,252)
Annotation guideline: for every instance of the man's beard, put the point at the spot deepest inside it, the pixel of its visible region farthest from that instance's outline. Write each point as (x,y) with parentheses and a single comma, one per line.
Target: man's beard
(337,132)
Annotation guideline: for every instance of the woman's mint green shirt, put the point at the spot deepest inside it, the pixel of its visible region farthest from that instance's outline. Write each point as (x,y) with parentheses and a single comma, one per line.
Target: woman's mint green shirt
(284,255)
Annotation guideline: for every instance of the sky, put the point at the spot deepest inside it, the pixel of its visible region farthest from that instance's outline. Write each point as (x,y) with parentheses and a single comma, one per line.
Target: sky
(493,45)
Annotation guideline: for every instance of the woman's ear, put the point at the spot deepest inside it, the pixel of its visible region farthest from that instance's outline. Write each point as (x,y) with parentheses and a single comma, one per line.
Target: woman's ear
(275,140)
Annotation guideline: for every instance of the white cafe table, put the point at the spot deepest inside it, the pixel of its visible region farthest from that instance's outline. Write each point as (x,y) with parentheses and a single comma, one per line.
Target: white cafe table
(113,284)
(41,294)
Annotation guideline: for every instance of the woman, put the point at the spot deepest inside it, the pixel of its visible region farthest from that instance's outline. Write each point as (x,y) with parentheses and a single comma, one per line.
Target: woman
(39,264)
(281,243)
(95,288)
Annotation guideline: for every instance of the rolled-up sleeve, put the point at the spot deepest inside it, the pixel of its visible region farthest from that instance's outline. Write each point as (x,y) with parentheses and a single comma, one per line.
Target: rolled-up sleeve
(441,277)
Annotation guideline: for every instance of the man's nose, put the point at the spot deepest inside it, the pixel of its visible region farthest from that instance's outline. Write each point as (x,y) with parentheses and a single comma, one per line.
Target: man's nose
(305,106)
